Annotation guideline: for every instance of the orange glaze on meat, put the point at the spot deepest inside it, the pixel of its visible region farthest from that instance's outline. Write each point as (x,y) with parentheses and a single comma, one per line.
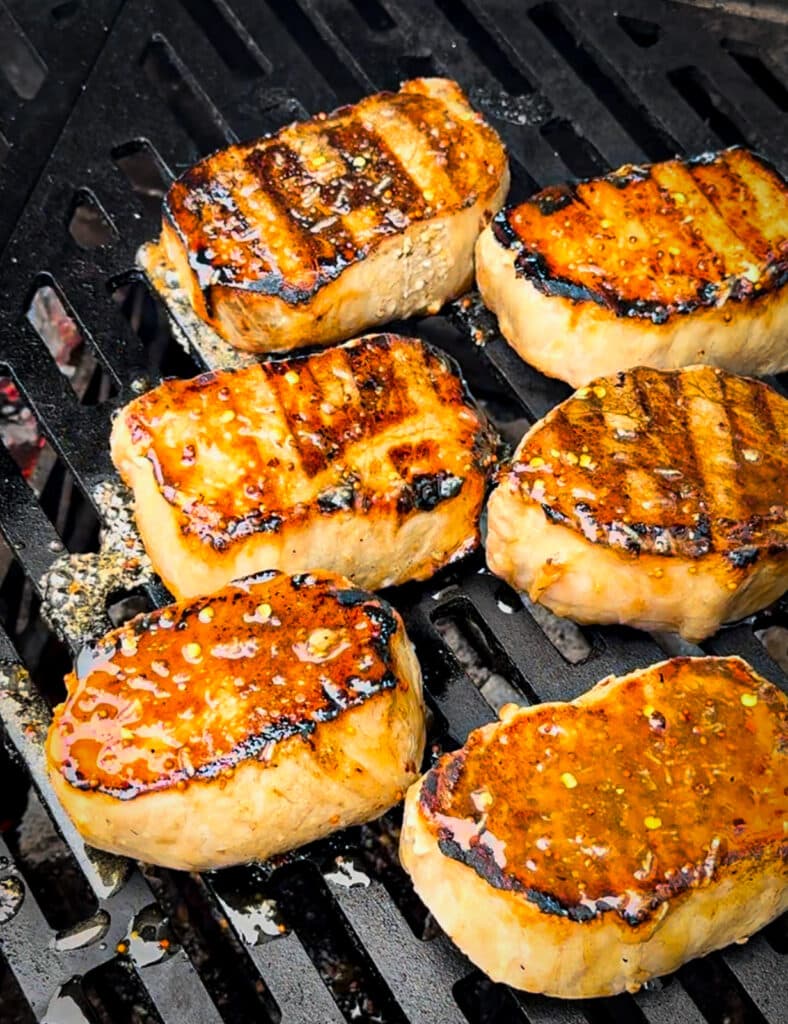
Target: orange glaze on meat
(685,462)
(286,214)
(193,689)
(379,423)
(657,240)
(621,806)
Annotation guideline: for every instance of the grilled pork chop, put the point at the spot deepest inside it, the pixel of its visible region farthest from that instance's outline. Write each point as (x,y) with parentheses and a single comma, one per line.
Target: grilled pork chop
(655,498)
(338,223)
(663,265)
(241,725)
(368,459)
(580,849)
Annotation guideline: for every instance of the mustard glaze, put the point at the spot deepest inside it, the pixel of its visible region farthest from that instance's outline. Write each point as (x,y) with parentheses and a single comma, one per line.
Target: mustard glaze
(193,689)
(625,803)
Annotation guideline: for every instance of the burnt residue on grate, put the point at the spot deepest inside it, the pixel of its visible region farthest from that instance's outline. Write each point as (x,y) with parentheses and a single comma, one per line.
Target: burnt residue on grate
(77,588)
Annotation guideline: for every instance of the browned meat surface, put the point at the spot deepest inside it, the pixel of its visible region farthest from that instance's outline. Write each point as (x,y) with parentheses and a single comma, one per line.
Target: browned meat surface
(338,223)
(580,849)
(369,459)
(655,498)
(663,265)
(240,725)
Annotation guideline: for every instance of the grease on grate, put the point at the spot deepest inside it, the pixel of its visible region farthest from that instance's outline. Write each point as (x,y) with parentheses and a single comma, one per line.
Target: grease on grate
(76,587)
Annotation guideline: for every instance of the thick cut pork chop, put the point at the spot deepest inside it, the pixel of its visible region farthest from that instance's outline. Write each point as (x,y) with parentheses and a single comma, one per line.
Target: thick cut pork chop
(663,265)
(338,223)
(241,725)
(369,459)
(654,498)
(581,849)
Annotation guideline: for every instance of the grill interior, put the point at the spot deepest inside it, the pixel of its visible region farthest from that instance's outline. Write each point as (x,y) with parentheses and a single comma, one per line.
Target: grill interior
(100,105)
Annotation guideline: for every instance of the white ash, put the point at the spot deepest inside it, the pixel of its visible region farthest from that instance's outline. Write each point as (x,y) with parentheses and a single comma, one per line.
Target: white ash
(76,587)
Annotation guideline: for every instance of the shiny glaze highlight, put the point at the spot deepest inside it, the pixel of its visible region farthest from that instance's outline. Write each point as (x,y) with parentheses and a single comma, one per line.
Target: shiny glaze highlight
(657,240)
(621,805)
(381,423)
(191,690)
(284,215)
(675,463)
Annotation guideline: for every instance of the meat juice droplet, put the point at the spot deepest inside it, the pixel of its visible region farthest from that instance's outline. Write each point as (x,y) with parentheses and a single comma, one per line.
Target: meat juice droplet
(65,1006)
(346,874)
(149,940)
(255,919)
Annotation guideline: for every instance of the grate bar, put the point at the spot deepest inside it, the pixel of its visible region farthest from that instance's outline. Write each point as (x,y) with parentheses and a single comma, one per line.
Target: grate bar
(761,972)
(286,970)
(549,1011)
(293,981)
(671,1002)
(24,943)
(419,974)
(178,992)
(21,517)
(447,687)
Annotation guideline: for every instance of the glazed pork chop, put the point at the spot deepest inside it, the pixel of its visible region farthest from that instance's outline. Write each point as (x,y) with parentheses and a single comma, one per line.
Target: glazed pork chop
(338,223)
(664,265)
(654,498)
(369,459)
(580,849)
(240,725)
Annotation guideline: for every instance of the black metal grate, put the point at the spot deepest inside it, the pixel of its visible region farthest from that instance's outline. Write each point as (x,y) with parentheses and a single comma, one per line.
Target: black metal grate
(99,104)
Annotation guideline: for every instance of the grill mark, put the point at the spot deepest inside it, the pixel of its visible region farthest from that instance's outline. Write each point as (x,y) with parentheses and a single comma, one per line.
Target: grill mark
(272,497)
(315,438)
(738,227)
(285,179)
(695,241)
(415,114)
(343,425)
(641,396)
(758,242)
(721,505)
(753,428)
(768,189)
(441,375)
(691,455)
(313,457)
(765,410)
(366,186)
(598,434)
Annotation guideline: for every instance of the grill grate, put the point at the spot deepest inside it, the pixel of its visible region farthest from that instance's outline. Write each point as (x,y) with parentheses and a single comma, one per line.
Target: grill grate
(106,106)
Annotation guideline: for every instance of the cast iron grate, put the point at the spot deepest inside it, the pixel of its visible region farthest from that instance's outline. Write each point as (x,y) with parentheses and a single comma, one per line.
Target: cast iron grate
(333,933)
